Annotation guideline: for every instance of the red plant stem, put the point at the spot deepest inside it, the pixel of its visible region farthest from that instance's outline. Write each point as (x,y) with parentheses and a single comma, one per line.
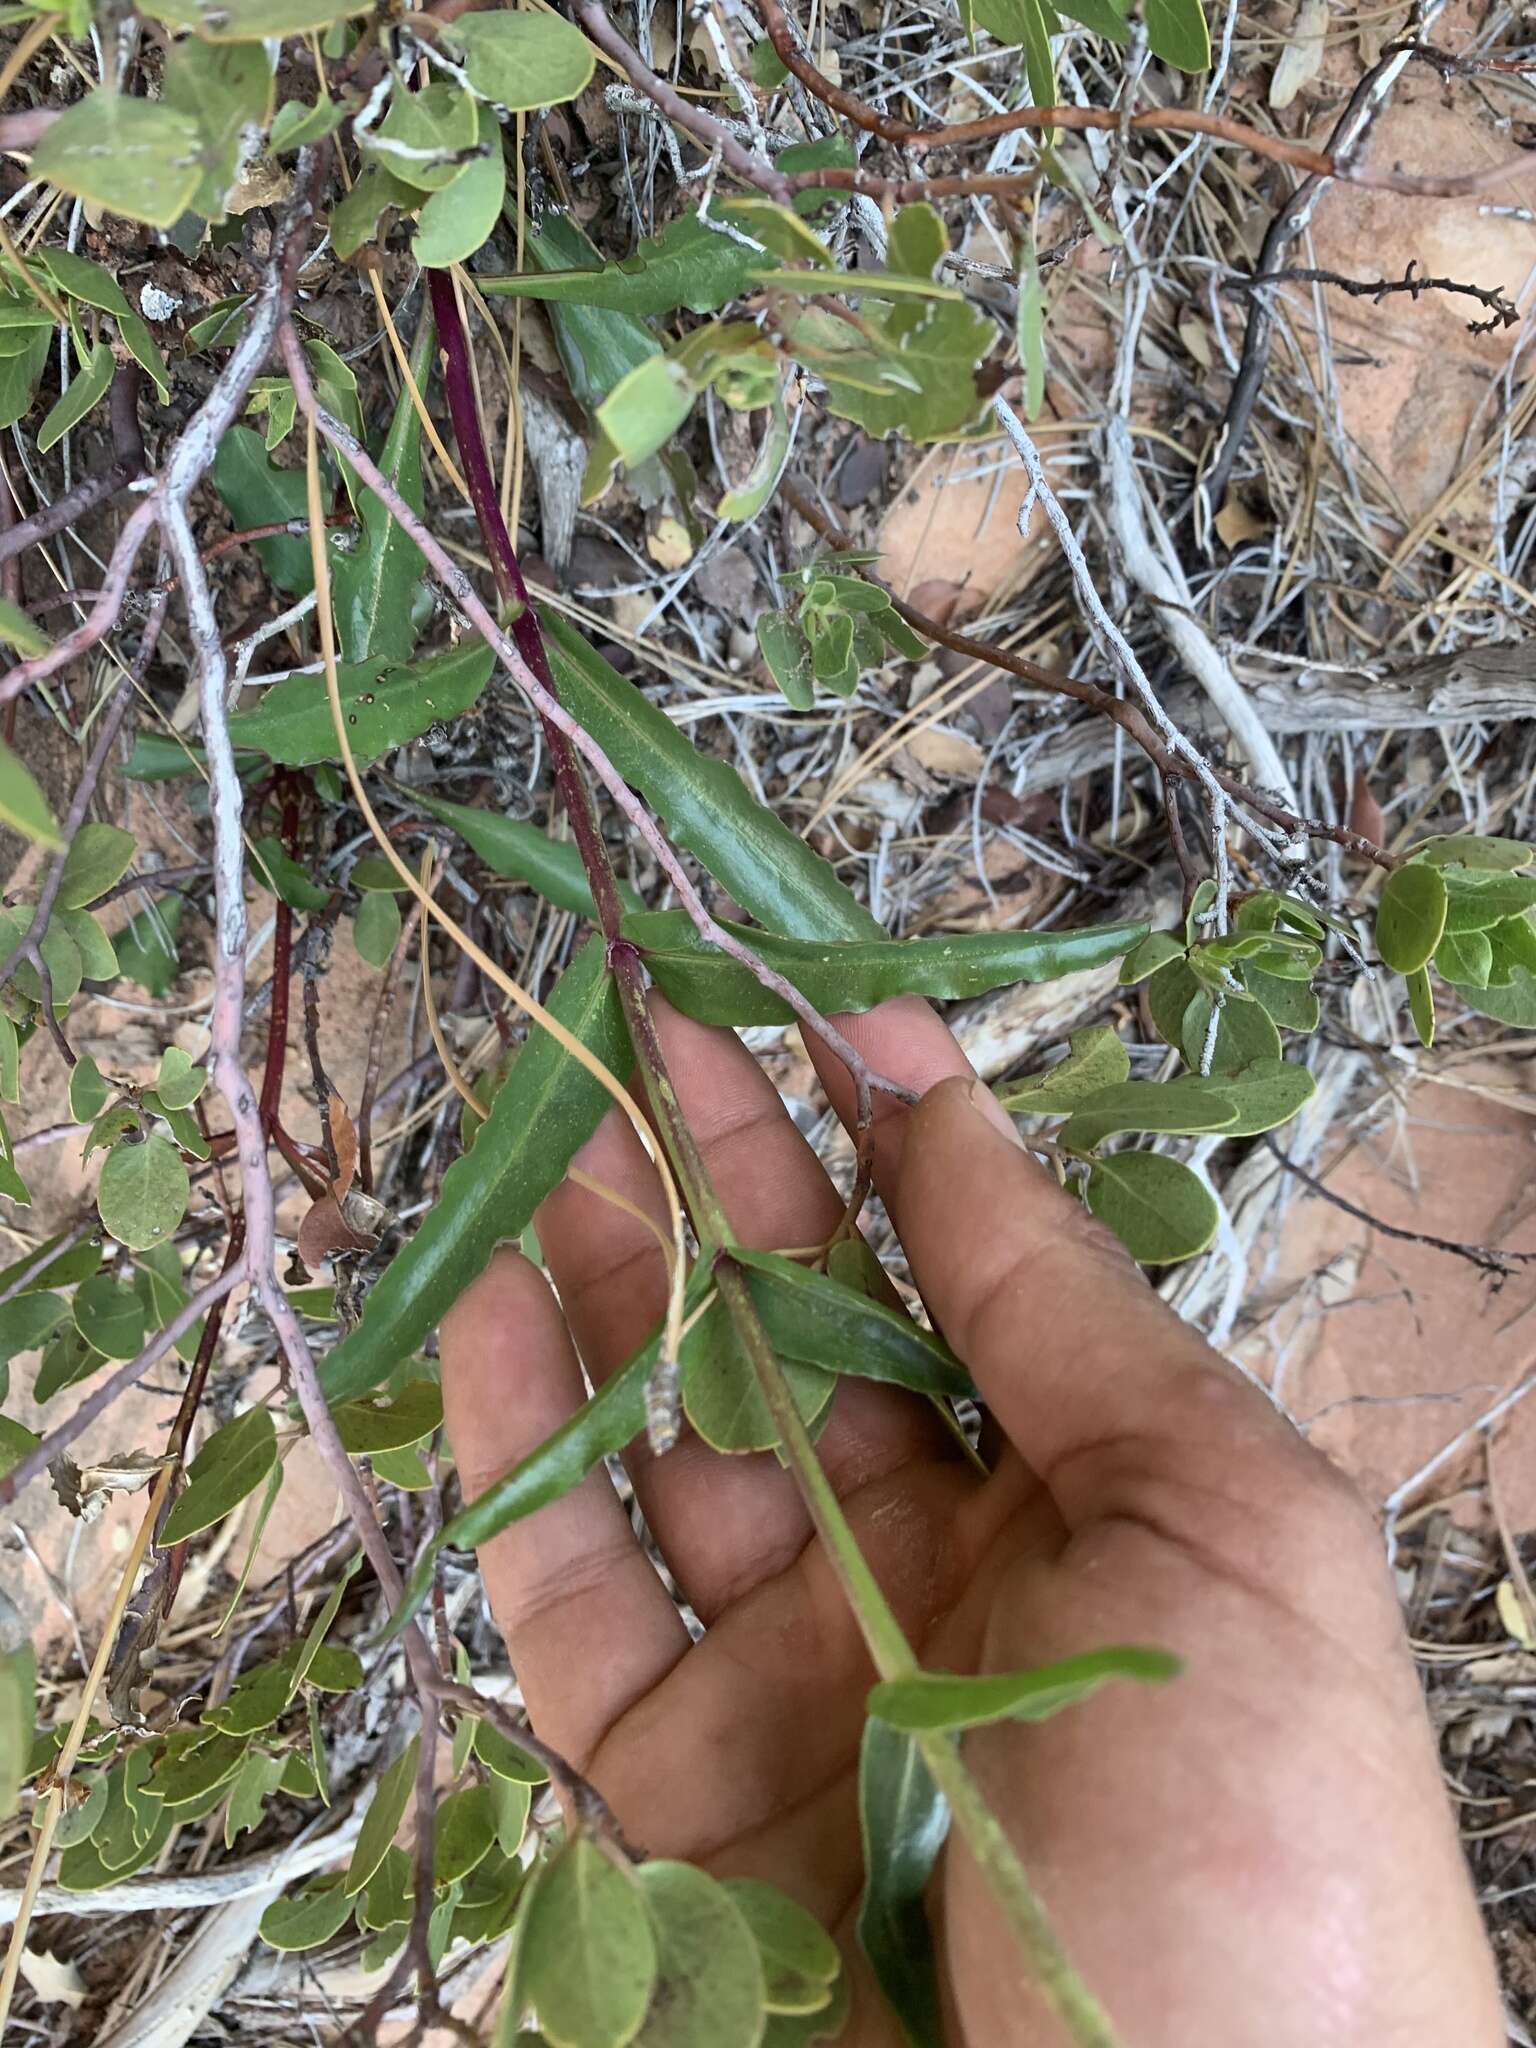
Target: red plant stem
(277,1021)
(458,387)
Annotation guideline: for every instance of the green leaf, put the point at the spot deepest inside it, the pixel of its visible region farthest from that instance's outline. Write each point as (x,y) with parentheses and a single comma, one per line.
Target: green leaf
(598,346)
(1147,1106)
(687,267)
(1465,958)
(1478,899)
(720,1392)
(280,874)
(1514,1005)
(27,1321)
(938,1703)
(466,1828)
(258,493)
(376,928)
(19,376)
(1410,918)
(308,1917)
(385,1812)
(1265,1093)
(23,806)
(585,1954)
(227,90)
(522,61)
(109,1316)
(771,873)
(903,1817)
(505,1759)
(459,220)
(136,158)
(369,1426)
(355,219)
(1156,950)
(522,853)
(1159,1210)
(19,631)
(88,1092)
(146,949)
(18,1717)
(1097,1060)
(1514,949)
(16,1443)
(145,351)
(88,282)
(98,956)
(178,1083)
(99,856)
(232,1464)
(801,2030)
(184,1777)
(158,1282)
(85,392)
(142,1193)
(488,1899)
(296,126)
(709,1978)
(511,1800)
(67,1361)
(800,1960)
(1421,1006)
(255,1700)
(425,135)
(404,1468)
(385,704)
(1471,850)
(253,21)
(258,1777)
(389,1895)
(1177,34)
(376,582)
(1106,18)
(816,1320)
(1291,1004)
(788,655)
(545,1110)
(10,1061)
(855,974)
(1245,1032)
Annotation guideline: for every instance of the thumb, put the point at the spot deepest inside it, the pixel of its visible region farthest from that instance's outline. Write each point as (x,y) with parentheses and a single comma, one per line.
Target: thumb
(1076,1356)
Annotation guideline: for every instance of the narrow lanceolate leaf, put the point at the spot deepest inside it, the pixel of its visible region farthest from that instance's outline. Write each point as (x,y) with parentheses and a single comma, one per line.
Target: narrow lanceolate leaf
(1159,1210)
(706,806)
(19,631)
(938,1703)
(23,805)
(709,1990)
(258,493)
(585,1952)
(816,1320)
(233,1463)
(383,1818)
(375,584)
(546,1108)
(1410,918)
(522,853)
(385,704)
(18,1685)
(687,266)
(87,390)
(904,1818)
(856,974)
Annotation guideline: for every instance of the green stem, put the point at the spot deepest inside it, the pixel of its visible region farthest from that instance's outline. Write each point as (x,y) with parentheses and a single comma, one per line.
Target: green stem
(893,1657)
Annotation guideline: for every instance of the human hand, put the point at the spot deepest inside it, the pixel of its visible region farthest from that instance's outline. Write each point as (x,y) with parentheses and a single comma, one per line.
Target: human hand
(1257,1852)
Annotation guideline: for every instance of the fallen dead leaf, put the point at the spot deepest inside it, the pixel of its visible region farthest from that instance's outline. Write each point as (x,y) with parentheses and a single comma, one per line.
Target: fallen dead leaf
(1302,58)
(669,545)
(946,753)
(55,1981)
(85,1489)
(1513,1614)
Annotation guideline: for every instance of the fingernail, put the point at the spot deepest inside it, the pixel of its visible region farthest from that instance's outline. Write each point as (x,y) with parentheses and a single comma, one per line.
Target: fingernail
(986,1104)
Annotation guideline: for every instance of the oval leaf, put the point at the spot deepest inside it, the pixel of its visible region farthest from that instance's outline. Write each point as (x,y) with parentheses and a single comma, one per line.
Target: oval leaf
(1097,1060)
(385,1812)
(709,1979)
(586,1956)
(1159,1210)
(23,806)
(385,706)
(135,157)
(1410,918)
(142,1193)
(233,1463)
(466,1828)
(306,1918)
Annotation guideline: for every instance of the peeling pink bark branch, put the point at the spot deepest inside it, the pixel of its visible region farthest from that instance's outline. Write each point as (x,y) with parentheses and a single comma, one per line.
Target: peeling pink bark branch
(463,593)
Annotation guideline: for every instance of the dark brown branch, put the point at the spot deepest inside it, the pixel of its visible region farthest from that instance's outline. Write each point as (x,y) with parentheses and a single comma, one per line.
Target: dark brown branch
(1505,313)
(1488,1259)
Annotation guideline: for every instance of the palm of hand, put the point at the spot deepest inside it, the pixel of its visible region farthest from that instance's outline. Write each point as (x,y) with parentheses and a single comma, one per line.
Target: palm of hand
(1222,1856)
